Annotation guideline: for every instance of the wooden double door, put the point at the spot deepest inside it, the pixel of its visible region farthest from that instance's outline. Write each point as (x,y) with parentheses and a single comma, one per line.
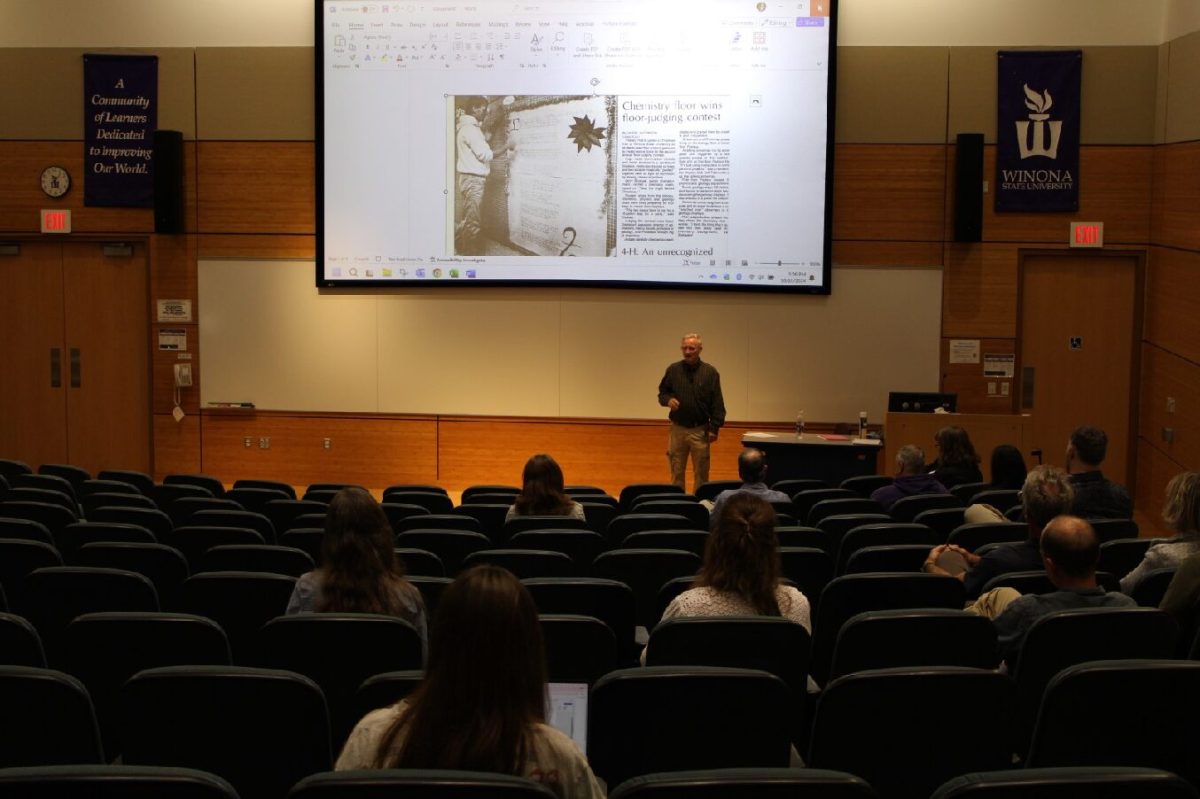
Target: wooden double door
(74,355)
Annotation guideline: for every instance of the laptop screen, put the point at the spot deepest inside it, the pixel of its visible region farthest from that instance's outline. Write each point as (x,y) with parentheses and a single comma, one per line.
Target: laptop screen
(566,710)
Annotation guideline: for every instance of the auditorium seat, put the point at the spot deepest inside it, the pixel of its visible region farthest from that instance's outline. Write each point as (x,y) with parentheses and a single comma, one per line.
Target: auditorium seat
(576,491)
(439,521)
(694,512)
(241,602)
(802,536)
(48,719)
(52,517)
(578,648)
(609,601)
(20,645)
(282,511)
(164,494)
(673,718)
(942,521)
(966,491)
(803,499)
(25,529)
(155,521)
(105,649)
(418,784)
(525,563)
(1112,529)
(255,499)
(1150,590)
(913,637)
(420,562)
(471,491)
(46,495)
(261,729)
(505,498)
(851,594)
(74,536)
(866,484)
(47,482)
(307,539)
(520,524)
(268,485)
(809,569)
(432,501)
(53,596)
(581,546)
(690,540)
(662,496)
(598,515)
(838,525)
(113,782)
(839,506)
(626,524)
(999,498)
(104,499)
(1067,637)
(256,558)
(710,489)
(144,483)
(645,571)
(901,731)
(907,508)
(9,468)
(431,589)
(490,517)
(887,558)
(163,565)
(1122,555)
(305,521)
(338,651)
(631,492)
(237,518)
(882,534)
(747,783)
(972,536)
(18,558)
(452,546)
(384,690)
(182,509)
(1066,782)
(88,487)
(400,487)
(322,495)
(214,486)
(194,541)
(1121,713)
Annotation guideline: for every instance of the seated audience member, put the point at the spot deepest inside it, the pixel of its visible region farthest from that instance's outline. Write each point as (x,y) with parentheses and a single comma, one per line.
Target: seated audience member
(741,572)
(359,572)
(752,468)
(1096,497)
(1008,474)
(1070,551)
(481,706)
(956,461)
(1183,594)
(1182,513)
(542,492)
(911,478)
(1008,468)
(1047,493)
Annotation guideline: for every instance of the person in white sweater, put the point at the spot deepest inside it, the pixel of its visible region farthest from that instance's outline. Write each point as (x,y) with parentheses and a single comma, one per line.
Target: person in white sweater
(1182,513)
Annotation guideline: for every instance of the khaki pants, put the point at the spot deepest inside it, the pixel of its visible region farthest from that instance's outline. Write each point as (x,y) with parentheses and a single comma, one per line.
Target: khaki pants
(681,441)
(993,603)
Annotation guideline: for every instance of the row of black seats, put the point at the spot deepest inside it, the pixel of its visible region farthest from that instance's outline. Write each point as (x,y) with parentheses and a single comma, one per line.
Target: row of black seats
(264,729)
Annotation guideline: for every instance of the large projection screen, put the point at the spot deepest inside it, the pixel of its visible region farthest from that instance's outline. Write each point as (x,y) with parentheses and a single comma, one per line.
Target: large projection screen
(663,143)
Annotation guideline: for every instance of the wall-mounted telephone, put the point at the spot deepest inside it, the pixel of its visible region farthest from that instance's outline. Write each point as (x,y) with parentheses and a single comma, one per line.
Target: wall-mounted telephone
(183,375)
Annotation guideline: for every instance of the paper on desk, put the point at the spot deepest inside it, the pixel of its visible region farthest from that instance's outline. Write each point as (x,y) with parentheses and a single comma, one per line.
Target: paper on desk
(758,435)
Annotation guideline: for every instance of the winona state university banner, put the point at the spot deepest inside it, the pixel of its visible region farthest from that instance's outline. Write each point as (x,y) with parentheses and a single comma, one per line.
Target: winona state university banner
(1037,144)
(120,114)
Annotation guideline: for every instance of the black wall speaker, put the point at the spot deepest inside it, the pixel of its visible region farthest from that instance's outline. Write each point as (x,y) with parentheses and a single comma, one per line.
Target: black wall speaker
(968,187)
(168,181)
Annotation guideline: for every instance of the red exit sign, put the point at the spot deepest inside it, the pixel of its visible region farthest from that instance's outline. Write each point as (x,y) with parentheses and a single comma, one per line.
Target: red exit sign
(56,220)
(1087,234)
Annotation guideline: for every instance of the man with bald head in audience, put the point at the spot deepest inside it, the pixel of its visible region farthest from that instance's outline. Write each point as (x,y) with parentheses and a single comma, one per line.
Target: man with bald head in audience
(1047,493)
(752,468)
(1070,552)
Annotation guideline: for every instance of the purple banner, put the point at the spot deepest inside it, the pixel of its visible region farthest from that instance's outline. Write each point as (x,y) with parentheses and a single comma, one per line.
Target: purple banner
(120,114)
(1037,141)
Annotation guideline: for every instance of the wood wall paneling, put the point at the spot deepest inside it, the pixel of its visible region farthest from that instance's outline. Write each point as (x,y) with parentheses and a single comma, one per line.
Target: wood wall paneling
(255,93)
(887,253)
(1154,470)
(1114,188)
(251,246)
(371,451)
(176,445)
(892,95)
(256,187)
(1167,378)
(21,194)
(968,381)
(979,291)
(1173,302)
(1176,196)
(987,431)
(889,192)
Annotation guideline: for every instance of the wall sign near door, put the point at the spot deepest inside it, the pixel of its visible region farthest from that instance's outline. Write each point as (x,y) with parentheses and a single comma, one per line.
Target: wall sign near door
(1075,343)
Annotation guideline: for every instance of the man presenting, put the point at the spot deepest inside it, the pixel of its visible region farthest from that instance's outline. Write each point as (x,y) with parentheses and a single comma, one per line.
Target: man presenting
(471,168)
(692,390)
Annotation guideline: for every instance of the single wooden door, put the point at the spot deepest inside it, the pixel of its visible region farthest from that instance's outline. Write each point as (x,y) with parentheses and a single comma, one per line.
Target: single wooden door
(1080,323)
